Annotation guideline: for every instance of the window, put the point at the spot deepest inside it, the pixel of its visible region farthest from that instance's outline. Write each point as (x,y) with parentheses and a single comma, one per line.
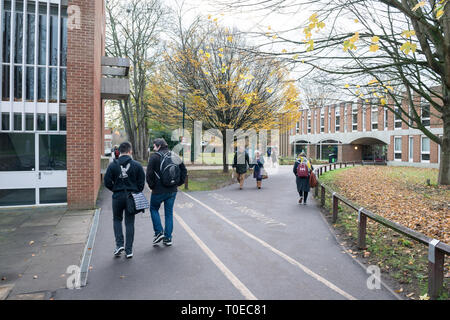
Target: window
(30,35)
(6,29)
(41,85)
(338,119)
(52,152)
(16,197)
(52,195)
(62,117)
(17,121)
(63,86)
(425,113)
(297,127)
(411,149)
(52,122)
(364,109)
(5,121)
(53,84)
(6,82)
(40,122)
(329,119)
(322,121)
(397,148)
(42,39)
(345,118)
(309,122)
(29,85)
(397,119)
(17,152)
(425,149)
(374,118)
(386,117)
(354,117)
(18,37)
(17,83)
(29,121)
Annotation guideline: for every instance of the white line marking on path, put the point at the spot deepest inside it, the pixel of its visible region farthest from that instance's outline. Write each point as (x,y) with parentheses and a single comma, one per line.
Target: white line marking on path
(233,279)
(278,252)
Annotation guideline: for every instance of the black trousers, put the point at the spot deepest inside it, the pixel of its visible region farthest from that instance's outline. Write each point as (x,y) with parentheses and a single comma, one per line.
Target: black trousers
(119,204)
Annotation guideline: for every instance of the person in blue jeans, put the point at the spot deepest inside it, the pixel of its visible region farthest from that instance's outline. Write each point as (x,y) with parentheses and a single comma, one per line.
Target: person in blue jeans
(161,193)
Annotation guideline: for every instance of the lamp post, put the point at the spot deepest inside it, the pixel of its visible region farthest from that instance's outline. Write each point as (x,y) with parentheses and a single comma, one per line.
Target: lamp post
(183,94)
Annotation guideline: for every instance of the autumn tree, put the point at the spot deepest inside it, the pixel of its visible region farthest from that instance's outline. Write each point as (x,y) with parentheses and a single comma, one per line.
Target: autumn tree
(230,88)
(397,51)
(133,31)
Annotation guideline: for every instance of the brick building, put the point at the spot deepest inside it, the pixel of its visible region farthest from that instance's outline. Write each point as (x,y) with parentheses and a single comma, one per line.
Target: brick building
(52,115)
(356,131)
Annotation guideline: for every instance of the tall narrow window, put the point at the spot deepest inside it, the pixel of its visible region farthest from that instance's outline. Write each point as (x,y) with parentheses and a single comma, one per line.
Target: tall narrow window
(309,122)
(63,41)
(297,127)
(397,148)
(41,85)
(17,83)
(6,29)
(345,118)
(329,119)
(411,149)
(53,84)
(425,112)
(354,117)
(40,121)
(29,121)
(42,36)
(18,38)
(338,119)
(30,37)
(53,50)
(63,85)
(425,149)
(374,118)
(397,119)
(322,121)
(5,82)
(29,86)
(5,121)
(386,117)
(17,121)
(363,116)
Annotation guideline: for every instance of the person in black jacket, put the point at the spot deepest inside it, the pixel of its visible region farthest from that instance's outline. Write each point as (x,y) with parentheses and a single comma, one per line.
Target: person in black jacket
(161,193)
(241,163)
(122,177)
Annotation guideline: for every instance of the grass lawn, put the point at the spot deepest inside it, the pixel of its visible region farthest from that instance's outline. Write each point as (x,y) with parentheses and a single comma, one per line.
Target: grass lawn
(204,180)
(400,194)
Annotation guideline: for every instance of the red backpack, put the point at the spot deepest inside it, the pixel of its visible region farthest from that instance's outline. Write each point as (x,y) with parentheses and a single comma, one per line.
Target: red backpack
(302,170)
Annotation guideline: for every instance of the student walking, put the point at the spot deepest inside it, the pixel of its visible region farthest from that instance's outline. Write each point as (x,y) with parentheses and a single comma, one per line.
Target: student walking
(165,172)
(240,163)
(122,177)
(302,171)
(258,168)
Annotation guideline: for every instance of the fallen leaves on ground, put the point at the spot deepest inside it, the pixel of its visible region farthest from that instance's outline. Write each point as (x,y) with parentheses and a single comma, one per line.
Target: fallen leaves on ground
(398,194)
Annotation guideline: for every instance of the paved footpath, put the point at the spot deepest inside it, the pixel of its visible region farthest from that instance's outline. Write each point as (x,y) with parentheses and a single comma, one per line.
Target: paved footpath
(229,244)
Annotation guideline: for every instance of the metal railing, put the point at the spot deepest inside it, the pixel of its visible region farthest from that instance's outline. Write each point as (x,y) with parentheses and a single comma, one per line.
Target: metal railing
(436,249)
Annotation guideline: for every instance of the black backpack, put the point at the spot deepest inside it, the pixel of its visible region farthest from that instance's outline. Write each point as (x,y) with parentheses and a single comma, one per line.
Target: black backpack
(169,169)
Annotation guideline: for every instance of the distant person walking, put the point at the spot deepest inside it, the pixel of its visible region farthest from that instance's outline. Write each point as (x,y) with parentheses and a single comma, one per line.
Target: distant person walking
(241,163)
(274,157)
(165,172)
(116,152)
(258,167)
(302,171)
(122,177)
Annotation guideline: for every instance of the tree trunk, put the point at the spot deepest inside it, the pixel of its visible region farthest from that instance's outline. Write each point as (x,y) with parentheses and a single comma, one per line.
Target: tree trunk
(444,166)
(224,151)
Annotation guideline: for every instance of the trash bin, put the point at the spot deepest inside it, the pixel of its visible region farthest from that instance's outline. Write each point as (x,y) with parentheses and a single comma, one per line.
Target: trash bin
(332,158)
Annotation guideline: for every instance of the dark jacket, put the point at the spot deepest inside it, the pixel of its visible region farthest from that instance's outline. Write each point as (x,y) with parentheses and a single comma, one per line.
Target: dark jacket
(297,162)
(154,183)
(240,162)
(258,165)
(134,180)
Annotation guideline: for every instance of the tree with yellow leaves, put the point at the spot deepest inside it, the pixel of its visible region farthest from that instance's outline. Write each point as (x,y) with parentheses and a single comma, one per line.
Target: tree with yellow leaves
(404,45)
(230,88)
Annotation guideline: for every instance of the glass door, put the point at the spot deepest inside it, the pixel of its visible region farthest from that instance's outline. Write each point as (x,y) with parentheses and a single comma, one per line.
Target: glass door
(52,169)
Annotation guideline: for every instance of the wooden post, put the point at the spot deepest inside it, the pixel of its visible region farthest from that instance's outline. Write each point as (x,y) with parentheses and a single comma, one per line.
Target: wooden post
(335,166)
(322,196)
(325,169)
(186,183)
(362,225)
(335,207)
(345,164)
(435,270)
(320,171)
(316,190)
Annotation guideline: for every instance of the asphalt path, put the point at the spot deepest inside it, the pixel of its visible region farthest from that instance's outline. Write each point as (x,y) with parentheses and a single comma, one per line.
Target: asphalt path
(229,244)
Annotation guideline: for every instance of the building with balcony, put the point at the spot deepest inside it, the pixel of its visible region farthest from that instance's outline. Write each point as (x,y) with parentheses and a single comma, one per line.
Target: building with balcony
(365,131)
(52,115)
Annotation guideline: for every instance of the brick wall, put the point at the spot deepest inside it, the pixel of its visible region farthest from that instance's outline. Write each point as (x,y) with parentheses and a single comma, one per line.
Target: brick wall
(326,119)
(360,116)
(84,107)
(390,154)
(333,119)
(417,148)
(349,153)
(405,156)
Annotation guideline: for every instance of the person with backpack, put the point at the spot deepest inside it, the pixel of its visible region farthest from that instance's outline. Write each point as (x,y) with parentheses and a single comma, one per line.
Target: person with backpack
(258,168)
(122,177)
(240,163)
(116,152)
(302,171)
(165,172)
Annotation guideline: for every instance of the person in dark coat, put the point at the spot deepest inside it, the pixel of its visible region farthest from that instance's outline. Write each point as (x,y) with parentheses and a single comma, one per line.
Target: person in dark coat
(161,193)
(303,186)
(122,177)
(241,163)
(258,167)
